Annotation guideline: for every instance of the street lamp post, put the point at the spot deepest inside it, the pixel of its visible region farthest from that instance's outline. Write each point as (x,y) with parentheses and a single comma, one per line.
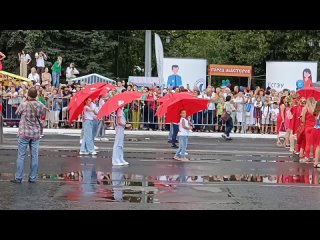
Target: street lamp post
(147,66)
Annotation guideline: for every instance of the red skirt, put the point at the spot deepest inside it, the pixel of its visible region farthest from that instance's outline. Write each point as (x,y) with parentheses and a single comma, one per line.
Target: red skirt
(316,136)
(279,121)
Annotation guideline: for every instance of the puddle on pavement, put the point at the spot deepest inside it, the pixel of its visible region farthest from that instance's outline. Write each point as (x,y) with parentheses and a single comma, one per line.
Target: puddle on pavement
(118,186)
(89,176)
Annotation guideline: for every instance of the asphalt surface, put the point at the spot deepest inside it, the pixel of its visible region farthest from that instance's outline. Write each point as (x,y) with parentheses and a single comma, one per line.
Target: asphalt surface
(238,174)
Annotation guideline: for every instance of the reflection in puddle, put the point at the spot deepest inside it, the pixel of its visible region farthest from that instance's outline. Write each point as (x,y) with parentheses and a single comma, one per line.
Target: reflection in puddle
(118,186)
(118,178)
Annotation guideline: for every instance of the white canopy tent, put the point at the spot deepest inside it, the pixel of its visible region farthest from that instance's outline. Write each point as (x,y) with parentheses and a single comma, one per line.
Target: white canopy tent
(144,81)
(92,78)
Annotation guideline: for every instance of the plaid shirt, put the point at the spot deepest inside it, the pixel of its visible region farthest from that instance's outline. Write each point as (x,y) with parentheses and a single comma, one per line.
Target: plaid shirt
(29,126)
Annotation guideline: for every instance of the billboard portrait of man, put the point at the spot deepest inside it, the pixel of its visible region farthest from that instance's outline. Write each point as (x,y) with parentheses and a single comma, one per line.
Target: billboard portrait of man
(174,80)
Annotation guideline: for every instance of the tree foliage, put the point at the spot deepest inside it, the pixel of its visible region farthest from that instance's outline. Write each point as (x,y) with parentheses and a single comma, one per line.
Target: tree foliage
(117,53)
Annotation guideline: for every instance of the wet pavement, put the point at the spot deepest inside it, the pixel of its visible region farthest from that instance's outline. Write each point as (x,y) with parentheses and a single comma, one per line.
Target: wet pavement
(238,174)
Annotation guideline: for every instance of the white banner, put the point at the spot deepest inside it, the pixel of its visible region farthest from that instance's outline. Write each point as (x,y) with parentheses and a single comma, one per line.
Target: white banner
(159,57)
(186,72)
(284,75)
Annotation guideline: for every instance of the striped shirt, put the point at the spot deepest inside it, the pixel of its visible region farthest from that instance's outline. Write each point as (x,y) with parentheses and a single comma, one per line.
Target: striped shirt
(29,126)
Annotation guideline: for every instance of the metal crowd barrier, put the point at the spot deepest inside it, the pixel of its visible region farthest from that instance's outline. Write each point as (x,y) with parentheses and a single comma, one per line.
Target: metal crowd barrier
(141,114)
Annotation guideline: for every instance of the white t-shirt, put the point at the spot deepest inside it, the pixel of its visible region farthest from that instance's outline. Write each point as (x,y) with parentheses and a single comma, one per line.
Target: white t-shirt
(101,103)
(120,114)
(93,106)
(258,104)
(70,73)
(182,131)
(211,105)
(40,61)
(25,57)
(274,114)
(88,115)
(34,77)
(266,111)
(239,103)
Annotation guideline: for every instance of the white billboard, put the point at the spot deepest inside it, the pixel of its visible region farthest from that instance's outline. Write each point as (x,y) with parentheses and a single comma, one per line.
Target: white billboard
(185,71)
(284,75)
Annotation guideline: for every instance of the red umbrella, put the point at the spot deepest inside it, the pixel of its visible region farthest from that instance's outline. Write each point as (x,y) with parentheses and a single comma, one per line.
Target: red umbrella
(82,95)
(107,88)
(78,107)
(118,101)
(168,96)
(162,110)
(310,92)
(165,98)
(191,105)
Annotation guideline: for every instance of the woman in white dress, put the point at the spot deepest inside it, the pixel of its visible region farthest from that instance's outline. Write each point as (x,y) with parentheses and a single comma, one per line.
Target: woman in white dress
(24,59)
(250,121)
(240,103)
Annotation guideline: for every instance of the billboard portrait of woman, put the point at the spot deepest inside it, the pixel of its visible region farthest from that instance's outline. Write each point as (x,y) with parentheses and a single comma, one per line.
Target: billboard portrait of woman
(307,77)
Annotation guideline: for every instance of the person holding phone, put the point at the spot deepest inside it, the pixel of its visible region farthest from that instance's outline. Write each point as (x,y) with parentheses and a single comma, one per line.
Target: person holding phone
(56,72)
(71,73)
(29,135)
(40,58)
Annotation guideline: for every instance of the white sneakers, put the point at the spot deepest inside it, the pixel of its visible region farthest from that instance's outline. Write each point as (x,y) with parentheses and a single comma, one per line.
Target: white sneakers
(176,157)
(181,159)
(124,163)
(184,153)
(96,148)
(87,153)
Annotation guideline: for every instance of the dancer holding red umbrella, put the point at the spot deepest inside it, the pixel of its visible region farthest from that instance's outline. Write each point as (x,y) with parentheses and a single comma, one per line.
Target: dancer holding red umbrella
(310,92)
(184,129)
(117,103)
(309,122)
(87,145)
(316,135)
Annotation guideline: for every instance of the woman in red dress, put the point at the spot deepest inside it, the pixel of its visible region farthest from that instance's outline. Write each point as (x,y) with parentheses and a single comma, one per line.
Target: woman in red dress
(316,135)
(2,56)
(301,141)
(281,116)
(294,122)
(307,78)
(309,120)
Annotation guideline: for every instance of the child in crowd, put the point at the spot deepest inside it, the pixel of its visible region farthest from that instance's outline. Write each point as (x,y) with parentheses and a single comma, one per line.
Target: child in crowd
(274,117)
(219,112)
(266,112)
(257,111)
